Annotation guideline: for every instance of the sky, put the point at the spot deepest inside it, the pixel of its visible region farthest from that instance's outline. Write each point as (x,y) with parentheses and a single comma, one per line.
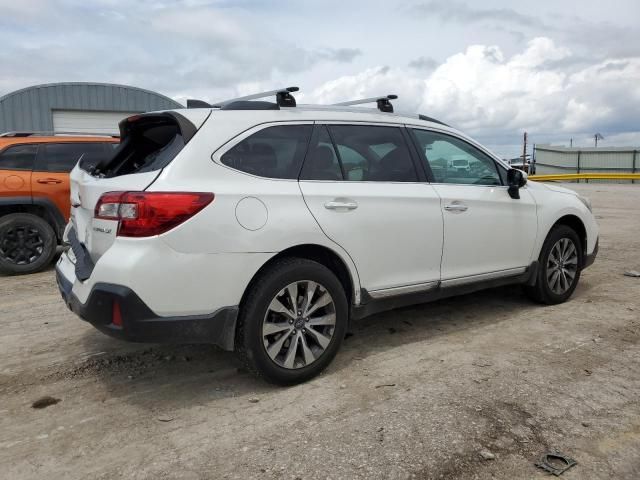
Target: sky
(558,69)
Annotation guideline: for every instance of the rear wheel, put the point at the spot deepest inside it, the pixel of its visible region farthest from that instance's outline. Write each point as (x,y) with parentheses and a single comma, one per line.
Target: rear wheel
(559,267)
(27,243)
(292,322)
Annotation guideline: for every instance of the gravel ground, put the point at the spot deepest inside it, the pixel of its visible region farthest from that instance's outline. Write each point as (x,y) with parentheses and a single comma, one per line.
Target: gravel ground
(414,393)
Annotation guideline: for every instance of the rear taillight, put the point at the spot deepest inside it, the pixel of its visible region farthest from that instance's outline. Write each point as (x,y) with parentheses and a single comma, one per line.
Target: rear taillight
(143,214)
(116,315)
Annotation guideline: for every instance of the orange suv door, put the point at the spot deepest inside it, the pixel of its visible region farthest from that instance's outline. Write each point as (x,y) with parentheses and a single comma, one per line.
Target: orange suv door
(50,177)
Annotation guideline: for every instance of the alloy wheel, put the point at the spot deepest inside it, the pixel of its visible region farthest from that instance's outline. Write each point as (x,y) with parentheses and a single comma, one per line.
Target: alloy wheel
(299,324)
(562,266)
(21,245)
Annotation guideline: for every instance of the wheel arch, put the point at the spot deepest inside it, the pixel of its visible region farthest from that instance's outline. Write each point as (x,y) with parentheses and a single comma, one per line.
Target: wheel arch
(318,253)
(41,207)
(577,225)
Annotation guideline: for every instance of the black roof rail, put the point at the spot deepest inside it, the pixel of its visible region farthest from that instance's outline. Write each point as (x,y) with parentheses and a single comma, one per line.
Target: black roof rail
(250,105)
(283,97)
(384,105)
(431,119)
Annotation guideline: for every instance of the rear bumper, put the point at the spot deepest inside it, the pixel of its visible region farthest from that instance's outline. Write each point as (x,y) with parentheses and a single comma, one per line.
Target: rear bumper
(140,323)
(591,257)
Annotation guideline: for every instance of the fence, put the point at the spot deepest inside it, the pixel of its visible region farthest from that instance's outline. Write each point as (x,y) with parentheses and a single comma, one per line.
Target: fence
(551,160)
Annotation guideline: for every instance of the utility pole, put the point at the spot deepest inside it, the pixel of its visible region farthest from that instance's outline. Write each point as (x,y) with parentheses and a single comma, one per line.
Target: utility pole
(571,142)
(524,154)
(597,137)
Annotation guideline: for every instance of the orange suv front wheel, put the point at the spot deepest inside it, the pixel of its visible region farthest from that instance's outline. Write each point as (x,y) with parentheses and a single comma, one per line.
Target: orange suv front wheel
(27,243)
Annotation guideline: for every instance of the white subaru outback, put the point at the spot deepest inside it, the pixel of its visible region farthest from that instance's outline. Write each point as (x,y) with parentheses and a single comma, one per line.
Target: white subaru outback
(265,227)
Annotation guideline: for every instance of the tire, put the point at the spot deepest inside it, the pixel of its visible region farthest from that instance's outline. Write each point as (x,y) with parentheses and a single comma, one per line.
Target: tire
(27,244)
(546,290)
(265,336)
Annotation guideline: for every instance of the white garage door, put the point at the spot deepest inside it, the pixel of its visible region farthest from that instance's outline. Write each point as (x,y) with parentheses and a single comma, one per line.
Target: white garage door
(88,122)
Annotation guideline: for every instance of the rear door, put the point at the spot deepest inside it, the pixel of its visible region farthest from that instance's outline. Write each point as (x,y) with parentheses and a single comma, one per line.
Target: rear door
(16,164)
(487,234)
(361,184)
(50,178)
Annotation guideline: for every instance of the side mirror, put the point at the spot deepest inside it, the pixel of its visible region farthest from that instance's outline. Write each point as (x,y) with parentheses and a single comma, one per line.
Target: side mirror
(515,180)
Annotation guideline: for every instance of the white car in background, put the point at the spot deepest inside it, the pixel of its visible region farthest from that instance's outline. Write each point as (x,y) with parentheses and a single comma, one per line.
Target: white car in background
(459,163)
(267,227)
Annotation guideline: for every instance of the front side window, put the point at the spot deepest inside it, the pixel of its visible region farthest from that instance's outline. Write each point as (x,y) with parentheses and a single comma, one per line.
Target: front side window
(452,160)
(18,157)
(62,157)
(273,152)
(373,153)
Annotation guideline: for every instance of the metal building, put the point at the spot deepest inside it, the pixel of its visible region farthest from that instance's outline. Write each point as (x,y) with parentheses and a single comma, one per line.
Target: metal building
(551,159)
(76,107)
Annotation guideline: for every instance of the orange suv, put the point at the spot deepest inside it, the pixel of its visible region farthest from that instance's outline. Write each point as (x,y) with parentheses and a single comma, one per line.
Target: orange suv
(34,193)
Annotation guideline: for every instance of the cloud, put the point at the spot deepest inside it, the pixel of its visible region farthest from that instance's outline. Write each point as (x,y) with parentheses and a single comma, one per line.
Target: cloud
(423,63)
(459,12)
(594,37)
(169,46)
(571,70)
(371,82)
(340,55)
(488,94)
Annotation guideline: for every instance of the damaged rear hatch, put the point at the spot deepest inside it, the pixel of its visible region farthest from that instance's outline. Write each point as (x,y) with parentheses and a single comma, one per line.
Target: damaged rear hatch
(149,142)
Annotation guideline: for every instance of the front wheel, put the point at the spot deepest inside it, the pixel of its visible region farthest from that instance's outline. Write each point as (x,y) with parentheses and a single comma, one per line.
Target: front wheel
(559,267)
(292,322)
(27,243)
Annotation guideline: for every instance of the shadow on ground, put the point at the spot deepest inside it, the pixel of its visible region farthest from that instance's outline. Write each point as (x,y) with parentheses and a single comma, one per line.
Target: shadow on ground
(172,375)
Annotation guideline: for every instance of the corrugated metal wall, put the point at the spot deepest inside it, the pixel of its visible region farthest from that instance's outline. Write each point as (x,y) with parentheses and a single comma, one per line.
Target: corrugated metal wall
(30,109)
(550,159)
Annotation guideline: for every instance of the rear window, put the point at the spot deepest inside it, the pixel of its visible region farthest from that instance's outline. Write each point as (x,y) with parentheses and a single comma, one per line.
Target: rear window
(18,157)
(149,142)
(62,157)
(274,152)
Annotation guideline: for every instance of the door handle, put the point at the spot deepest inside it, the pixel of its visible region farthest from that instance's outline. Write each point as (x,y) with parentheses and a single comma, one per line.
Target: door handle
(456,207)
(49,181)
(341,205)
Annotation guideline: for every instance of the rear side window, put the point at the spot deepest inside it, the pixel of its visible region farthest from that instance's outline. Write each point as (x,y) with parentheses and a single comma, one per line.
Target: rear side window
(373,153)
(62,157)
(18,157)
(274,152)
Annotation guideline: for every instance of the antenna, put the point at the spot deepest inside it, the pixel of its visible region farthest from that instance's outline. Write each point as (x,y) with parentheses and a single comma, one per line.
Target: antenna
(384,105)
(283,97)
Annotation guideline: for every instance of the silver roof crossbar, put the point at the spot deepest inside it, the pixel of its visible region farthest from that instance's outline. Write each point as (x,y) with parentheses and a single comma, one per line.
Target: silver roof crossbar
(283,97)
(384,105)
(52,134)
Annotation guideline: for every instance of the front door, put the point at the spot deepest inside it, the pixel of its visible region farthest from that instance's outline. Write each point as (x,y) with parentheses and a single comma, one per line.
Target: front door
(487,234)
(16,163)
(362,186)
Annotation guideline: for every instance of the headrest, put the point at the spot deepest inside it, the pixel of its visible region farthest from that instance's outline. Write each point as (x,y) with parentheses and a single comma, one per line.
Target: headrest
(395,158)
(322,157)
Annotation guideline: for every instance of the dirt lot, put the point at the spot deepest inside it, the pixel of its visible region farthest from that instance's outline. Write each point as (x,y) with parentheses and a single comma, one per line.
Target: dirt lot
(414,393)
